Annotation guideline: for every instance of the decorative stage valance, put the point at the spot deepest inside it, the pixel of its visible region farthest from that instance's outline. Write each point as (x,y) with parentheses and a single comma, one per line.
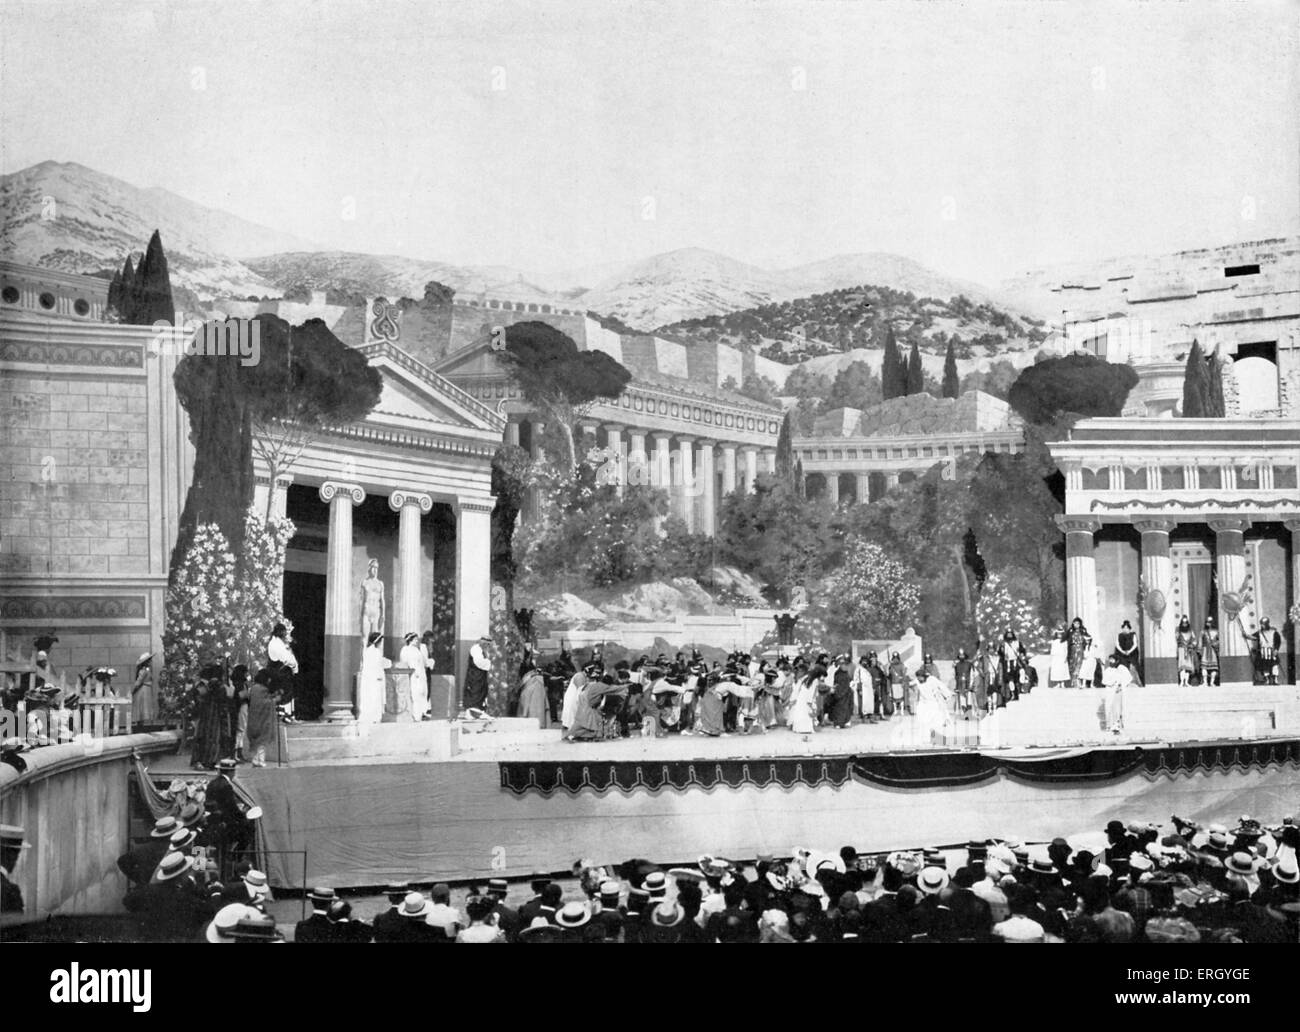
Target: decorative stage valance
(547,778)
(898,770)
(943,770)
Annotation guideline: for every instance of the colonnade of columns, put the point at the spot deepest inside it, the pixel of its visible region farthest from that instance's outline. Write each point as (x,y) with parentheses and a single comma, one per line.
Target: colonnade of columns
(696,471)
(342,627)
(1159,623)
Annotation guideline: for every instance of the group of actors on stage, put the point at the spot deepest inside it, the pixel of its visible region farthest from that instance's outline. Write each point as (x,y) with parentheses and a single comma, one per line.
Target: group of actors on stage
(1198,654)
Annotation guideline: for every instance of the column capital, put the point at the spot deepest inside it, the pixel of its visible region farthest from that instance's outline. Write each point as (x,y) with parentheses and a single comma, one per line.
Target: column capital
(706,443)
(284,480)
(684,439)
(1154,526)
(332,488)
(729,446)
(616,428)
(1293,525)
(481,505)
(748,448)
(398,500)
(1228,525)
(661,435)
(1078,524)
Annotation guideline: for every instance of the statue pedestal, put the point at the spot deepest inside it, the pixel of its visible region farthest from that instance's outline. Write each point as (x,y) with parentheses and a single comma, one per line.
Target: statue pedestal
(397,695)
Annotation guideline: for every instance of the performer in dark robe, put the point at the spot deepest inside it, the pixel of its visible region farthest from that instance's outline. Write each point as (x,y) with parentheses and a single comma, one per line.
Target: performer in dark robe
(898,679)
(1126,651)
(1079,643)
(1210,651)
(882,701)
(1009,667)
(712,706)
(961,675)
(1189,652)
(842,694)
(212,726)
(477,666)
(532,697)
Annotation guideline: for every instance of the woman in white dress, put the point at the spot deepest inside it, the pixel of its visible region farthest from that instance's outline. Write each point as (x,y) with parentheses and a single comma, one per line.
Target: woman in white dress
(1059,672)
(569,710)
(370,687)
(803,704)
(932,698)
(413,656)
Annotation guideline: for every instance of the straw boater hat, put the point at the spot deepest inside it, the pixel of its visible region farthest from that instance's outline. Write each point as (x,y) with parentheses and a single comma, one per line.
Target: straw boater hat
(164,826)
(1240,863)
(1287,872)
(541,930)
(1140,862)
(322,894)
(498,887)
(932,880)
(573,915)
(685,874)
(182,838)
(667,915)
(222,926)
(191,814)
(655,883)
(173,865)
(257,929)
(256,881)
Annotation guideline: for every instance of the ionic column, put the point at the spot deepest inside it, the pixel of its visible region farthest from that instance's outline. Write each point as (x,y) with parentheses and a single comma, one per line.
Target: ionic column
(769,460)
(707,482)
(261,496)
(280,497)
(342,642)
(1230,567)
(473,579)
(833,488)
(687,488)
(586,438)
(512,433)
(863,483)
(614,438)
(1159,665)
(661,471)
(638,460)
(751,468)
(1080,569)
(406,595)
(728,469)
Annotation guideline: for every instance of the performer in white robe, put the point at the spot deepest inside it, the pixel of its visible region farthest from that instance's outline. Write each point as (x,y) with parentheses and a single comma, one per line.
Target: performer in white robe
(1115,676)
(802,704)
(371,683)
(932,706)
(569,710)
(413,656)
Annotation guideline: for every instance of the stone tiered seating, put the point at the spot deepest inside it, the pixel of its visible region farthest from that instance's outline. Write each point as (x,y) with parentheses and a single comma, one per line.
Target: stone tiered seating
(1166,713)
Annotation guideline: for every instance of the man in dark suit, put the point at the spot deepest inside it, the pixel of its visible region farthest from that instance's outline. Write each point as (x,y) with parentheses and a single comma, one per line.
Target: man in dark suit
(343,928)
(610,918)
(317,927)
(139,863)
(415,913)
(507,917)
(530,908)
(229,826)
(388,926)
(972,917)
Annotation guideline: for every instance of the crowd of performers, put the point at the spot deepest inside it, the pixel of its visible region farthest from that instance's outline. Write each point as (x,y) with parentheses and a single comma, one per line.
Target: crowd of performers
(1198,653)
(1179,882)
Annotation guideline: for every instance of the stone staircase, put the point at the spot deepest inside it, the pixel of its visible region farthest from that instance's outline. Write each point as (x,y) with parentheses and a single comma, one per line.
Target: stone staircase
(1163,712)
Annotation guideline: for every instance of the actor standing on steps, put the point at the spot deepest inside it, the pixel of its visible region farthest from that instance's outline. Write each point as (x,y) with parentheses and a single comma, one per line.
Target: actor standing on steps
(474,695)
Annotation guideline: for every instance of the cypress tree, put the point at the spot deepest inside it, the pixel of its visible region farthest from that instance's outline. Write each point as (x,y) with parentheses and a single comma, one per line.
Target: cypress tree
(785,451)
(798,477)
(915,374)
(114,302)
(951,381)
(1214,403)
(892,384)
(154,289)
(126,292)
(1194,385)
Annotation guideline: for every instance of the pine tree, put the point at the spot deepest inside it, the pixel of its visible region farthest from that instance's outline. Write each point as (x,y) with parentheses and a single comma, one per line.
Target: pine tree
(893,385)
(785,470)
(1214,403)
(1194,385)
(153,293)
(951,381)
(915,374)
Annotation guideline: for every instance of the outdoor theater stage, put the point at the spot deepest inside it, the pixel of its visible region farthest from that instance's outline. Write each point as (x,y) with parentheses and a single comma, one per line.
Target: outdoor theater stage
(441,801)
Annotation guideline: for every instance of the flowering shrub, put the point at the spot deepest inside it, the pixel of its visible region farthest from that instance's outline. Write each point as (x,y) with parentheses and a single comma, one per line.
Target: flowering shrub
(872,595)
(996,610)
(216,607)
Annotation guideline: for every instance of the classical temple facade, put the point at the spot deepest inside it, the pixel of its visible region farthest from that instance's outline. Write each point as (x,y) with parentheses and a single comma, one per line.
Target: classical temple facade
(97,462)
(1187,517)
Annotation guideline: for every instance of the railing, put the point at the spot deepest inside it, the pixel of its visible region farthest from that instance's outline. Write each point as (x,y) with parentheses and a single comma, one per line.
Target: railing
(99,711)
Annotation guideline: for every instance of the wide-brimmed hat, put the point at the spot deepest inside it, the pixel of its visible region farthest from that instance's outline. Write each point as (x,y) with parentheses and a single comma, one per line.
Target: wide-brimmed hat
(541,930)
(163,827)
(173,865)
(667,915)
(686,874)
(322,894)
(573,915)
(415,905)
(1287,871)
(932,880)
(257,929)
(1240,863)
(223,924)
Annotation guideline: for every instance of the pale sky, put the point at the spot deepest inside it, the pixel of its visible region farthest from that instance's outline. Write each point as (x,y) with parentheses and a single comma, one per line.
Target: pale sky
(980,138)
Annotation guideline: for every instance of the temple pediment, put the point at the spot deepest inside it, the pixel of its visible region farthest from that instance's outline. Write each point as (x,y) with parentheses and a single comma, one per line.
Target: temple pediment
(415,397)
(478,359)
